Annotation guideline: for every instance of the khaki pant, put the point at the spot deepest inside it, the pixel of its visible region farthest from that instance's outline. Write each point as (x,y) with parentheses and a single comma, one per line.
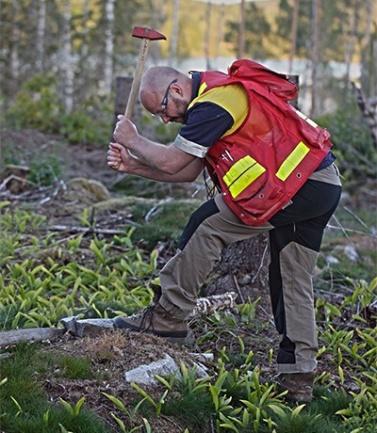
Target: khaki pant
(295,237)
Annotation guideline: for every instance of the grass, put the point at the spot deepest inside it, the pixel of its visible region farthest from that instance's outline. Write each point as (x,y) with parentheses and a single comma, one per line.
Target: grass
(24,404)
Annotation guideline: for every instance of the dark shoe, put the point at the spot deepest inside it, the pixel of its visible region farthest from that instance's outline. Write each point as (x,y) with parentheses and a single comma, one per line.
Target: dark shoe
(157,321)
(298,385)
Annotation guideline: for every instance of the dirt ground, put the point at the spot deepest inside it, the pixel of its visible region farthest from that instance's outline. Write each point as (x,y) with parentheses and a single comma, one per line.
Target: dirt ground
(113,354)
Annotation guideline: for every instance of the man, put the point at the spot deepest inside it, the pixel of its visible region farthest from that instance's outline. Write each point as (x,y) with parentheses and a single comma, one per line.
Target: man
(274,172)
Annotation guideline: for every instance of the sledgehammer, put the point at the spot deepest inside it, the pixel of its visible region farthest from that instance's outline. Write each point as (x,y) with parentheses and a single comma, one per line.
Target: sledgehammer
(146,35)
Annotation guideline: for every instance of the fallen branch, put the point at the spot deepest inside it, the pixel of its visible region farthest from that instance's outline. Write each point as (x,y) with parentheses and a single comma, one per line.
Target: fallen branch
(81,328)
(32,334)
(88,230)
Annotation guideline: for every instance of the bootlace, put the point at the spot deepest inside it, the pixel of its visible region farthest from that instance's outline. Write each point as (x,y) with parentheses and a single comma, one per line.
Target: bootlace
(148,315)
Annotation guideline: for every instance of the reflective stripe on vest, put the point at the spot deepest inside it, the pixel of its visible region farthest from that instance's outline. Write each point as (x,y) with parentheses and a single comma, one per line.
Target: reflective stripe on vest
(292,160)
(242,174)
(246,171)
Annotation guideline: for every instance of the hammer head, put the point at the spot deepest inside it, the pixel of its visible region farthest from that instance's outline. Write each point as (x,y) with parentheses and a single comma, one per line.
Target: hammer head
(147,33)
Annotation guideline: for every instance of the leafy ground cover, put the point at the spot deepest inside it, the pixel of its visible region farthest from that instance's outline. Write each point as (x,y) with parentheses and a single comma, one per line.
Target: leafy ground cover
(76,385)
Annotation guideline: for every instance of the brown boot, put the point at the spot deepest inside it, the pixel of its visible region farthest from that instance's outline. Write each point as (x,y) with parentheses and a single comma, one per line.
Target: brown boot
(298,385)
(157,321)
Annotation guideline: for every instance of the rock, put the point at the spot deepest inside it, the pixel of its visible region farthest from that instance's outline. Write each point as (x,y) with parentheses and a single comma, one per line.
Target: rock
(351,253)
(86,190)
(85,327)
(145,373)
(331,260)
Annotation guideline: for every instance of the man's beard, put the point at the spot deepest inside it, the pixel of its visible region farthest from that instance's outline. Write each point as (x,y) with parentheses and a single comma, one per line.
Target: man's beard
(181,107)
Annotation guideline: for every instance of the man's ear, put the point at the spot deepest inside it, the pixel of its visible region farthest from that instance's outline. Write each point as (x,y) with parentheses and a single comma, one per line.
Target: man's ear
(177,89)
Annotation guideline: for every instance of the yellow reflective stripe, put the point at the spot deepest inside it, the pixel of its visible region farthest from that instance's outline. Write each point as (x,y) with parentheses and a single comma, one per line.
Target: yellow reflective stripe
(202,87)
(292,160)
(242,174)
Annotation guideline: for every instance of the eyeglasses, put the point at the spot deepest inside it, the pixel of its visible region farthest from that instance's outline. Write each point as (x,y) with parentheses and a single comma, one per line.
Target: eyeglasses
(165,99)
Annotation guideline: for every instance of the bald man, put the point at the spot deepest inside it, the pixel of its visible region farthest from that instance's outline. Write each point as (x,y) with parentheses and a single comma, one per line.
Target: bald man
(271,175)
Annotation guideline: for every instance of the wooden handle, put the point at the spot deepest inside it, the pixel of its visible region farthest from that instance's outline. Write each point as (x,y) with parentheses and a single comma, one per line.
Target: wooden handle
(137,78)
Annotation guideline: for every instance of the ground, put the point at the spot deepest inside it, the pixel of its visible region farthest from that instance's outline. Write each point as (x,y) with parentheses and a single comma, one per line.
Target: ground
(75,236)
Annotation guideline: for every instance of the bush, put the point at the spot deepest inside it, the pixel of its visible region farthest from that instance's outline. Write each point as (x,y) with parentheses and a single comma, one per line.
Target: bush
(357,157)
(36,105)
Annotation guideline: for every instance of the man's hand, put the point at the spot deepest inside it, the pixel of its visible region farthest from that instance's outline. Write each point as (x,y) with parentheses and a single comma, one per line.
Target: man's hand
(125,132)
(119,158)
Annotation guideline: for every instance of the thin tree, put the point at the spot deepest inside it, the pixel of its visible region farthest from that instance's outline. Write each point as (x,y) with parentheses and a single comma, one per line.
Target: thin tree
(207,36)
(241,43)
(109,46)
(315,55)
(293,34)
(67,67)
(220,30)
(14,53)
(175,33)
(41,35)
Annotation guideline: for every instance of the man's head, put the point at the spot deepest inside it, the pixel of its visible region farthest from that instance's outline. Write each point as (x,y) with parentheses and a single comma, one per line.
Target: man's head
(166,92)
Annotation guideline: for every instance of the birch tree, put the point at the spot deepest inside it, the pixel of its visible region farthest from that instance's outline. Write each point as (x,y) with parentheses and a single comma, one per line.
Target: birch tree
(175,33)
(66,60)
(14,54)
(109,47)
(41,35)
(207,35)
(293,34)
(315,55)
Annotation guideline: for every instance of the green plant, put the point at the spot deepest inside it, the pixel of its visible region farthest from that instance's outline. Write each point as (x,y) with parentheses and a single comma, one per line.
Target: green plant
(130,413)
(353,142)
(36,105)
(157,404)
(44,171)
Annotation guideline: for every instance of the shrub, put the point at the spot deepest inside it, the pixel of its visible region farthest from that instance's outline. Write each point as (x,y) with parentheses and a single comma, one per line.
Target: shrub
(357,157)
(36,105)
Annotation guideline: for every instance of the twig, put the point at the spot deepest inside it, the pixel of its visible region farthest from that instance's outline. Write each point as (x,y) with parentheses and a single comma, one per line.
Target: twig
(238,288)
(155,208)
(344,230)
(87,230)
(14,177)
(260,265)
(358,219)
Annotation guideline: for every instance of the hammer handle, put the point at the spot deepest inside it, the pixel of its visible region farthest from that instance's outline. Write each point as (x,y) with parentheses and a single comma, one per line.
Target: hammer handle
(137,78)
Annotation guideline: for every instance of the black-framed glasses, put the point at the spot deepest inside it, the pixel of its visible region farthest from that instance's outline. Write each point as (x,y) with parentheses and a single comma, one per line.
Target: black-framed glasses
(165,99)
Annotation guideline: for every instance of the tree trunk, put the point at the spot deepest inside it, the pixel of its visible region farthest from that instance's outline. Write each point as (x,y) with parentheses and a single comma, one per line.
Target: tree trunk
(315,56)
(351,42)
(207,36)
(109,47)
(220,30)
(66,57)
(368,58)
(241,43)
(242,268)
(41,34)
(293,35)
(14,54)
(174,34)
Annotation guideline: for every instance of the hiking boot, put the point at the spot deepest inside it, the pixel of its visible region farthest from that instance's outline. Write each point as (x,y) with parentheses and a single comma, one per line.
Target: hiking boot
(157,321)
(298,385)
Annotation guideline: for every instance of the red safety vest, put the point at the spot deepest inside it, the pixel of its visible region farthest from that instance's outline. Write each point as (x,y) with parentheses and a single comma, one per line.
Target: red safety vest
(262,165)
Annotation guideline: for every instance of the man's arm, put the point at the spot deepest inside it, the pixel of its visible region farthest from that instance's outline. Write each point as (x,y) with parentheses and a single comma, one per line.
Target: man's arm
(119,158)
(166,159)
